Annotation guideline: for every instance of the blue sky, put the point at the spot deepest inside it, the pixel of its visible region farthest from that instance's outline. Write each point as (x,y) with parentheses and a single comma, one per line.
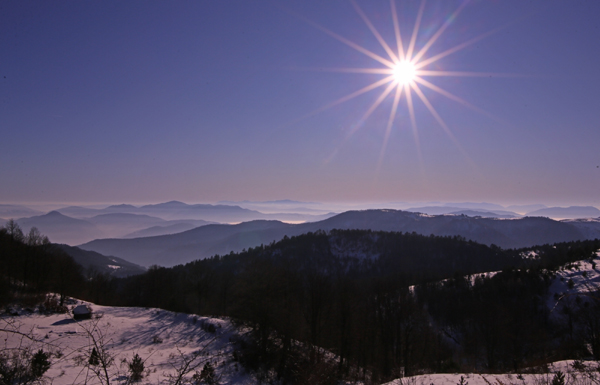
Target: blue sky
(200,101)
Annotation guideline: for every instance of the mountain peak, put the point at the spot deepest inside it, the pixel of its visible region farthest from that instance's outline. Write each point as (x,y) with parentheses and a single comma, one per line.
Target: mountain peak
(55,214)
(175,203)
(170,204)
(121,206)
(572,212)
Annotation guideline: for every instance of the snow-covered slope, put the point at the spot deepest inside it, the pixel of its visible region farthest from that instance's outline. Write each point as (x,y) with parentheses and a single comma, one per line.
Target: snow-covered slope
(164,340)
(573,280)
(574,372)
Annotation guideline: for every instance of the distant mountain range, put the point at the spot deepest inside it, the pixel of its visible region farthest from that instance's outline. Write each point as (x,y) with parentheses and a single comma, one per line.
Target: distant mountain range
(75,225)
(205,241)
(122,225)
(275,202)
(457,210)
(496,211)
(161,230)
(175,210)
(486,214)
(17,211)
(573,212)
(476,205)
(198,243)
(523,209)
(73,231)
(61,228)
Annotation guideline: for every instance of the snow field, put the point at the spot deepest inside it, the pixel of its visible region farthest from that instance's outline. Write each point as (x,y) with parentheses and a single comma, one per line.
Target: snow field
(585,278)
(165,341)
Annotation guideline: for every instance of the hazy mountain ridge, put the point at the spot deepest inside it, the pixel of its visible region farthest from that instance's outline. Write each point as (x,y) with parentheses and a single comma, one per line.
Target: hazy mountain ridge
(169,250)
(590,227)
(523,209)
(572,212)
(198,243)
(92,261)
(112,218)
(486,214)
(129,221)
(276,202)
(17,211)
(115,225)
(175,210)
(458,210)
(161,230)
(61,228)
(285,206)
(121,225)
(476,205)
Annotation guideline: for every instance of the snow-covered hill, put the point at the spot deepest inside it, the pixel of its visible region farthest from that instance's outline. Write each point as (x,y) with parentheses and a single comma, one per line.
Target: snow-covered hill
(165,341)
(578,279)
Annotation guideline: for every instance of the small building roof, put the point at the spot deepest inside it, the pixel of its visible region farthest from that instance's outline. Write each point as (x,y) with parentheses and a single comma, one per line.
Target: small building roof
(82,309)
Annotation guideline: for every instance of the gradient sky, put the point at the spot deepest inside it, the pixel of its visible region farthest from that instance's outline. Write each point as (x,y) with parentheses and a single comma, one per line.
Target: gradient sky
(200,101)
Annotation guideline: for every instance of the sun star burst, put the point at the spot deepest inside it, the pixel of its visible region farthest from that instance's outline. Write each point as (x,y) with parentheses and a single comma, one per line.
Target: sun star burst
(405,70)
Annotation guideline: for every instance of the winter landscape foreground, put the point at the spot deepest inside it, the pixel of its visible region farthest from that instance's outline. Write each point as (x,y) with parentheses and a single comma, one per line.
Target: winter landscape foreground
(170,345)
(168,341)
(178,348)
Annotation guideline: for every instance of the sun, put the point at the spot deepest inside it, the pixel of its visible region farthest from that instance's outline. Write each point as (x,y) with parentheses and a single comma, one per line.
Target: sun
(404,72)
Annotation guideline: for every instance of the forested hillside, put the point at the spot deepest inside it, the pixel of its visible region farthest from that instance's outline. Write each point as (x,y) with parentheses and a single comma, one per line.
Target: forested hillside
(388,304)
(32,266)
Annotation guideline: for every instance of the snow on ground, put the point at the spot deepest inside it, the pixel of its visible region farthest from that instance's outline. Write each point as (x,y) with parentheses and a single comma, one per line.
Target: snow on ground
(162,339)
(573,280)
(585,278)
(471,277)
(531,254)
(585,374)
(165,340)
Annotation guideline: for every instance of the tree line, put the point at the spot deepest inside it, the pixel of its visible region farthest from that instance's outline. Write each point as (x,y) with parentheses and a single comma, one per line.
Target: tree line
(32,266)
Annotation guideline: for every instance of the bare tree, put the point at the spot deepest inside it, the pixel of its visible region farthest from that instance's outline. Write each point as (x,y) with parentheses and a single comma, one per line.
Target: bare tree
(35,238)
(14,230)
(186,364)
(24,362)
(95,356)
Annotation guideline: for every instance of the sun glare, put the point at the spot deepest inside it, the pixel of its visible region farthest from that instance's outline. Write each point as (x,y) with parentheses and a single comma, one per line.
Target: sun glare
(404,72)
